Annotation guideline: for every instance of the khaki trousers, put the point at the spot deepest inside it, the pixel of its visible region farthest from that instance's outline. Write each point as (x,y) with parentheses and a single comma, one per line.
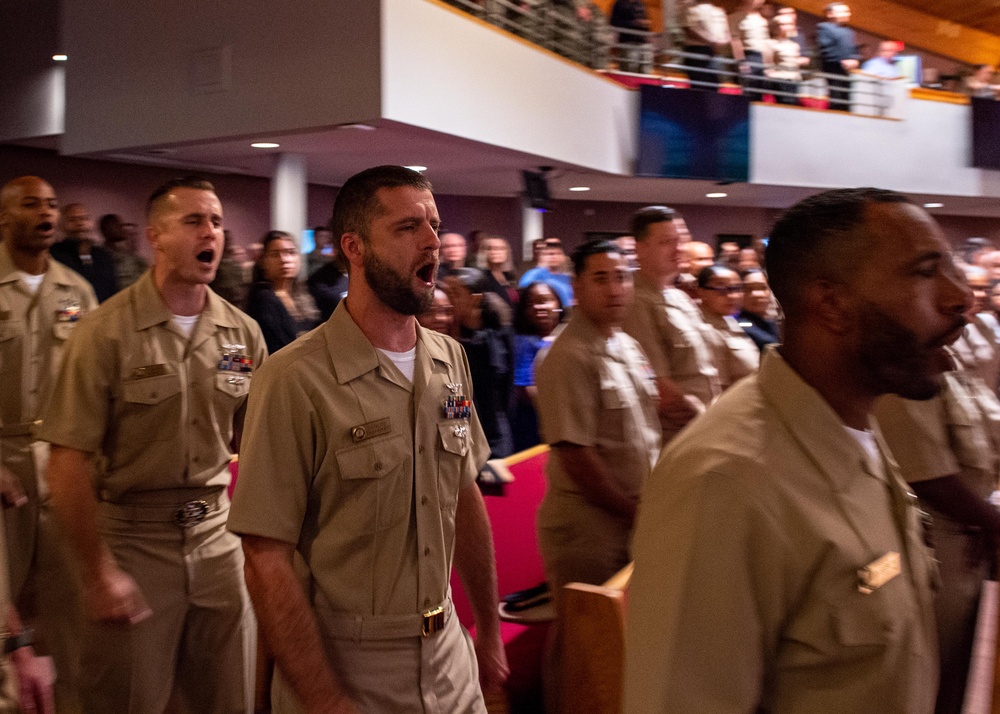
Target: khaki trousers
(416,675)
(196,652)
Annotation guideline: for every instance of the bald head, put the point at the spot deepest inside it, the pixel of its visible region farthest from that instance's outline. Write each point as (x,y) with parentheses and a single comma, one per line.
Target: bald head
(28,214)
(700,256)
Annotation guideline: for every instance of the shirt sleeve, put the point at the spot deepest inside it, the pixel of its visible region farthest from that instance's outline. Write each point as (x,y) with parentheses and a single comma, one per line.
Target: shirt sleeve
(917,435)
(568,398)
(79,409)
(276,459)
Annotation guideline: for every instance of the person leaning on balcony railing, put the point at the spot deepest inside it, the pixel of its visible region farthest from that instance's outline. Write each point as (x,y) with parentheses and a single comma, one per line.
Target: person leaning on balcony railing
(786,73)
(751,47)
(838,53)
(706,32)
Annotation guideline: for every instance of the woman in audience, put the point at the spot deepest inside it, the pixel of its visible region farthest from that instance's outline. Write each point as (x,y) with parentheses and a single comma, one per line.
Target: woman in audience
(539,312)
(281,306)
(440,316)
(735,354)
(484,329)
(788,61)
(753,318)
(495,261)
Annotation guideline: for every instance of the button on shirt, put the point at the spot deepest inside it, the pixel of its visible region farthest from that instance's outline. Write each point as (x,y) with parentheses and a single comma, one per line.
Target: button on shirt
(372,510)
(153,403)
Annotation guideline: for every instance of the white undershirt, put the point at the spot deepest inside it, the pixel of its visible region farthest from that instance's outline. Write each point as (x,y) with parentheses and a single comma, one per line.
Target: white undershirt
(186,323)
(32,282)
(867,441)
(404,361)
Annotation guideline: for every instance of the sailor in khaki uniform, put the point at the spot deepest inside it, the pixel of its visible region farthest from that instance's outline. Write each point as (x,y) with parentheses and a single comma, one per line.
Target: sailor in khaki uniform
(597,401)
(41,302)
(142,421)
(734,353)
(948,448)
(361,453)
(780,564)
(667,325)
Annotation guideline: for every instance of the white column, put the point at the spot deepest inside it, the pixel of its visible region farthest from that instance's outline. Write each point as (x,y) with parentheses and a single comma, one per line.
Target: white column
(532,228)
(289,195)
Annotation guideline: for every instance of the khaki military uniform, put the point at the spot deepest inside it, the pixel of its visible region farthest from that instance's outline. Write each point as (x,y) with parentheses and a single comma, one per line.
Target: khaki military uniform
(977,353)
(33,330)
(158,411)
(668,327)
(957,433)
(361,469)
(735,354)
(598,393)
(746,594)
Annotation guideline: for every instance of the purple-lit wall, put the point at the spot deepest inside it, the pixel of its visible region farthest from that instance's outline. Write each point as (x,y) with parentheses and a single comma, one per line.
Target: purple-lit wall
(108,187)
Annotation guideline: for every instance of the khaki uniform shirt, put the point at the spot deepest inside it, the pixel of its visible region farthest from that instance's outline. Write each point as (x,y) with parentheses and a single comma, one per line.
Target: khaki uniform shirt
(956,433)
(752,29)
(33,330)
(977,353)
(152,403)
(595,392)
(749,540)
(668,327)
(359,467)
(735,354)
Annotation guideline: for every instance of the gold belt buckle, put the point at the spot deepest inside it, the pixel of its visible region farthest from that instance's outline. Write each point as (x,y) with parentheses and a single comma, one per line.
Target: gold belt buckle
(433,621)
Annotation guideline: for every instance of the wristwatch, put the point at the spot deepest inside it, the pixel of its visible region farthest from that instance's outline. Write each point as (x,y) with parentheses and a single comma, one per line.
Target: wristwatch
(26,638)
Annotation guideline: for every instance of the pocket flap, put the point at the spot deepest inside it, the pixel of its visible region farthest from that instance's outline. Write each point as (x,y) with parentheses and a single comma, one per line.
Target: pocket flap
(372,460)
(232,383)
(454,436)
(152,390)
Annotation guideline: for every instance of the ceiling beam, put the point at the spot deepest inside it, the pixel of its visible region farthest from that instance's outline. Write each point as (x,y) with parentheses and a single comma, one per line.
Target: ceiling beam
(928,32)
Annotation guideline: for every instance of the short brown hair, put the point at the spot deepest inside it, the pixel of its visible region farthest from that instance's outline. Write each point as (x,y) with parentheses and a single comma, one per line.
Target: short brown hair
(645,217)
(357,203)
(196,182)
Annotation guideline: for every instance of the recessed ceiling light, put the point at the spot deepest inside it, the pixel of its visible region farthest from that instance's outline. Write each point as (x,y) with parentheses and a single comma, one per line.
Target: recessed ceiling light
(265,145)
(579,188)
(60,58)
(416,168)
(933,205)
(360,127)
(716,195)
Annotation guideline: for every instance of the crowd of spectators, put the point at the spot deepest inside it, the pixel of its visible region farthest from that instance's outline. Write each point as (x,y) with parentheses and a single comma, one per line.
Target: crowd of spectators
(758,45)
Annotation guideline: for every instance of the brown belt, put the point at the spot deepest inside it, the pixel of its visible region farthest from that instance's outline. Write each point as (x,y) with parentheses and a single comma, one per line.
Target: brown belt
(185,513)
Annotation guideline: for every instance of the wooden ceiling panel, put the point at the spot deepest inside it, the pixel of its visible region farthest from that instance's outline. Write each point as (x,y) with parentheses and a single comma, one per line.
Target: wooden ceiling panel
(978,14)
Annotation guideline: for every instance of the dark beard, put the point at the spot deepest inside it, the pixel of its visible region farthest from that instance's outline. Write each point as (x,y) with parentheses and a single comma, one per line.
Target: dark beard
(894,359)
(392,289)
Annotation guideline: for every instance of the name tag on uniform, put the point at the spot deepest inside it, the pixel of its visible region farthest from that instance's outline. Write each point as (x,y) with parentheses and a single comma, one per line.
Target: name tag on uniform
(379,427)
(150,370)
(878,572)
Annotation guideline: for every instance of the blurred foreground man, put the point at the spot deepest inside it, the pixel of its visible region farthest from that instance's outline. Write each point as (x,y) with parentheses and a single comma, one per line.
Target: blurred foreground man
(780,564)
(41,301)
(146,411)
(361,453)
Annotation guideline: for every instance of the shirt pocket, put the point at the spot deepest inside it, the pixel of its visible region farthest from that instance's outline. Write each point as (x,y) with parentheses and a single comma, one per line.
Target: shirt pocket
(376,484)
(151,410)
(865,622)
(453,446)
(232,384)
(62,330)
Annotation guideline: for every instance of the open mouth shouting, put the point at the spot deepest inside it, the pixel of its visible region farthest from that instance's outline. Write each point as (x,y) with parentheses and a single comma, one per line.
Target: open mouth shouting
(427,272)
(45,228)
(206,256)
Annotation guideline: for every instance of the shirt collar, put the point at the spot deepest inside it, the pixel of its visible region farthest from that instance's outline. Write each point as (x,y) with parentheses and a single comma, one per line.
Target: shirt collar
(812,421)
(353,355)
(56,272)
(150,309)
